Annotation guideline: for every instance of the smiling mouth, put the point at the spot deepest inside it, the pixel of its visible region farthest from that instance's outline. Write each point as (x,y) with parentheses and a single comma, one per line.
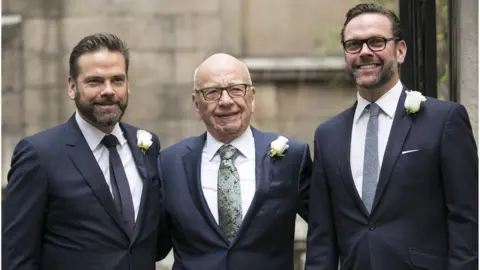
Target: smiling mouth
(228,117)
(369,66)
(106,106)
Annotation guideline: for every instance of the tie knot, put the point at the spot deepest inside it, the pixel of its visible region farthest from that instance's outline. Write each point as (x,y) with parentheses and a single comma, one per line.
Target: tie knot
(228,151)
(373,109)
(110,141)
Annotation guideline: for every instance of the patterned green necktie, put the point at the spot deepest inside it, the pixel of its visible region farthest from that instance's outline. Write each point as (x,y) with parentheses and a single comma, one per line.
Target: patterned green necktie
(229,193)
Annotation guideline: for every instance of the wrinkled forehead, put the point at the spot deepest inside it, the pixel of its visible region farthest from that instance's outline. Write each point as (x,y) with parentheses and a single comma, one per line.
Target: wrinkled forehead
(222,76)
(368,25)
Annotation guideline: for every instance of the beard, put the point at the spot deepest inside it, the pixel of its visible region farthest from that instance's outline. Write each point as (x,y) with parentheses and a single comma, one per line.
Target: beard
(383,76)
(95,115)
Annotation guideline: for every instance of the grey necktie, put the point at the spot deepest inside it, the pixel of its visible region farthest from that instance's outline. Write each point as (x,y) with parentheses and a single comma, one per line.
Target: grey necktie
(370,160)
(229,193)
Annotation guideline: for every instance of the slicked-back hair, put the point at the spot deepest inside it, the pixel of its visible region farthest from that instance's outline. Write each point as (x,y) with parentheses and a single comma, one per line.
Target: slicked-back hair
(94,43)
(376,9)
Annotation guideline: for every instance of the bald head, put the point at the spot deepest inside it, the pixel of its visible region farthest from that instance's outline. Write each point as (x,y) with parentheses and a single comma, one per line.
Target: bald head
(218,66)
(223,96)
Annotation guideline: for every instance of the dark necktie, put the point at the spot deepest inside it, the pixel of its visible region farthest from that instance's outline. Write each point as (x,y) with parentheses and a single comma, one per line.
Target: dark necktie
(120,187)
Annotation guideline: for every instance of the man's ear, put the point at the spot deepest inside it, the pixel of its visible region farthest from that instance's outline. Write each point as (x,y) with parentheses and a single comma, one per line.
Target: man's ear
(253,99)
(401,51)
(72,88)
(196,105)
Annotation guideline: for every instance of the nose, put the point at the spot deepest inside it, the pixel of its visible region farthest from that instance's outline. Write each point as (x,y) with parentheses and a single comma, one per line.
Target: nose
(365,49)
(225,99)
(108,90)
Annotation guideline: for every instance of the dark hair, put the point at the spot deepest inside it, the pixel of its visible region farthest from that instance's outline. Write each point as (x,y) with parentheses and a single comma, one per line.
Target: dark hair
(96,42)
(374,8)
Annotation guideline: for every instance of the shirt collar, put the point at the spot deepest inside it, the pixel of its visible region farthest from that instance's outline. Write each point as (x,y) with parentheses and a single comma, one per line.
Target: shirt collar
(245,144)
(94,136)
(388,102)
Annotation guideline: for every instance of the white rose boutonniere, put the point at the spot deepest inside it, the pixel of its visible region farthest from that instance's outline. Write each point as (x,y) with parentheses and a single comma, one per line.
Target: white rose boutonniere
(413,101)
(278,146)
(144,140)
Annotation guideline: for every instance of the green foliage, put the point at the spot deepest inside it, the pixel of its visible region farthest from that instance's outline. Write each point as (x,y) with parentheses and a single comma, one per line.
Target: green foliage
(442,49)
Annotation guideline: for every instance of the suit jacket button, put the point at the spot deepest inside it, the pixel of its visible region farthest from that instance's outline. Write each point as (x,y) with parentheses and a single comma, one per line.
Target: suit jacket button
(371,226)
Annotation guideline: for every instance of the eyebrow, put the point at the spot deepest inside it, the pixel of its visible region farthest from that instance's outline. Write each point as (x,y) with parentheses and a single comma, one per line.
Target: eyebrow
(229,84)
(119,76)
(95,77)
(90,78)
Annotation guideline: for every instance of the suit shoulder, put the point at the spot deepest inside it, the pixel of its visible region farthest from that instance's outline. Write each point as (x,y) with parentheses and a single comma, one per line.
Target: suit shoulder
(45,144)
(179,147)
(441,104)
(48,138)
(441,108)
(332,123)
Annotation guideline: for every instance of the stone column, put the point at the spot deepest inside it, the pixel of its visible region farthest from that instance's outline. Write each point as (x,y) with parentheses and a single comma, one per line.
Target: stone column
(467,44)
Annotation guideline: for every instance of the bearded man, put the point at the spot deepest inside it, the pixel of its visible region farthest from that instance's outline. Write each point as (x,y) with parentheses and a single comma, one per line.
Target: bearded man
(395,176)
(85,194)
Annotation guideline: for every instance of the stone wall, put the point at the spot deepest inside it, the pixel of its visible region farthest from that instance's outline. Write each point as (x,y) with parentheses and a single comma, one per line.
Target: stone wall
(13,110)
(467,42)
(168,39)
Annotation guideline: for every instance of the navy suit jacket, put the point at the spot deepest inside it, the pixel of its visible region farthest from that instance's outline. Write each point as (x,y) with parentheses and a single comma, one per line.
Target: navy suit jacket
(59,213)
(266,237)
(425,210)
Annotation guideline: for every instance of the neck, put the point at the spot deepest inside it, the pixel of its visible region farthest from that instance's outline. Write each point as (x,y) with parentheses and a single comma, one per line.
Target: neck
(226,138)
(105,129)
(373,94)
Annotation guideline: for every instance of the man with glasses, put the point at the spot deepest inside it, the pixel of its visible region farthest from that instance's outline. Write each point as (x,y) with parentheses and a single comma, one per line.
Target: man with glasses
(395,176)
(231,195)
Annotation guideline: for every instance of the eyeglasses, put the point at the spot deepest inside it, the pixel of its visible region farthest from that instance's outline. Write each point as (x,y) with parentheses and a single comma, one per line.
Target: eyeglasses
(375,44)
(215,93)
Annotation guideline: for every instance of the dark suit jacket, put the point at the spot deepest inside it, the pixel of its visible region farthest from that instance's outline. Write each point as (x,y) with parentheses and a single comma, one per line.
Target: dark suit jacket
(59,212)
(266,237)
(425,211)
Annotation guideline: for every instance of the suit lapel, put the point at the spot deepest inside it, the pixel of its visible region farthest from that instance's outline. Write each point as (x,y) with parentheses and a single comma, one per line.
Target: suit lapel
(344,144)
(84,160)
(130,134)
(192,165)
(263,177)
(400,128)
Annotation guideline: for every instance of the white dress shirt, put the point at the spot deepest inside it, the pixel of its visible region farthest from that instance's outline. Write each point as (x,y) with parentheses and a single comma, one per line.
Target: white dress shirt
(388,104)
(94,136)
(245,164)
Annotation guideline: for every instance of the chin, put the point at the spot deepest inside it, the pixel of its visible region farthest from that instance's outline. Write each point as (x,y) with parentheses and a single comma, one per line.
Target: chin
(230,129)
(367,83)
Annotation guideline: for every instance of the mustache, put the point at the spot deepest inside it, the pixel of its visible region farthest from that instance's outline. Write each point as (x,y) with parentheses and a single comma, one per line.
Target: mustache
(106,102)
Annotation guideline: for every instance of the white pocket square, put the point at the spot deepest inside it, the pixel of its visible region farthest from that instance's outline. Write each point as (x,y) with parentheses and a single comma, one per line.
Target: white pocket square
(409,151)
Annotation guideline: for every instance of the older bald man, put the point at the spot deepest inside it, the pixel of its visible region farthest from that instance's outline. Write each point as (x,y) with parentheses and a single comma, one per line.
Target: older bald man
(232,200)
